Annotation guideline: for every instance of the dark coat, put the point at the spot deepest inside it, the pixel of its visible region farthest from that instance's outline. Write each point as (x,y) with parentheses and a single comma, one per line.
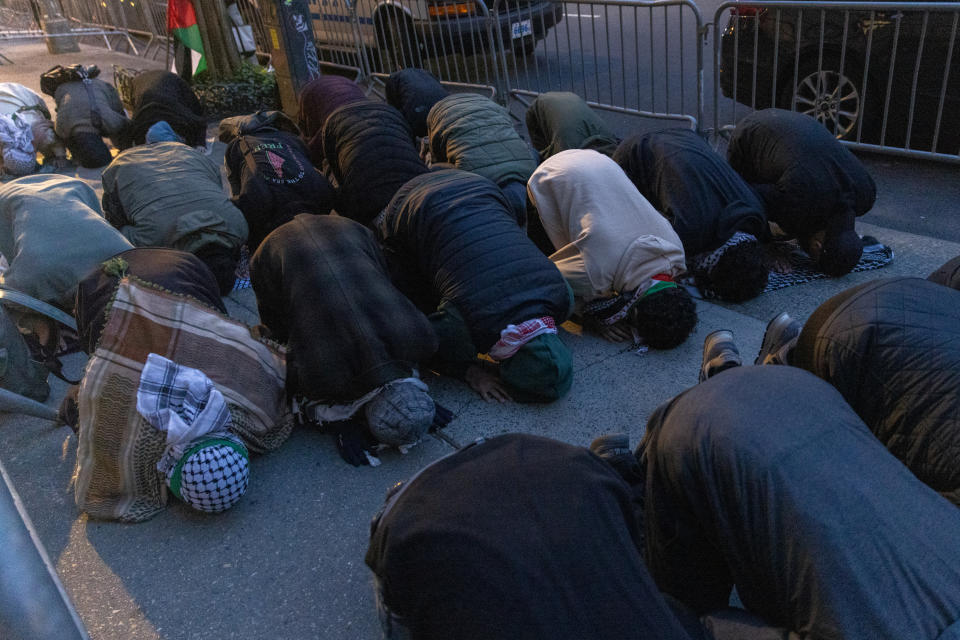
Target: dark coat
(892,348)
(948,275)
(175,271)
(704,199)
(453,230)
(807,179)
(475,134)
(161,95)
(518,538)
(271,177)
(323,288)
(370,152)
(560,120)
(413,92)
(318,99)
(764,478)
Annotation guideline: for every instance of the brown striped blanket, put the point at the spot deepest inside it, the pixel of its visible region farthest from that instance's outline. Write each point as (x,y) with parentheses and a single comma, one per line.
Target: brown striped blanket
(116,475)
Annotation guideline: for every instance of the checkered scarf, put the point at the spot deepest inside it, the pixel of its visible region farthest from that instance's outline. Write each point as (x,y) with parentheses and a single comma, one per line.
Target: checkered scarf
(517,335)
(705,262)
(609,311)
(205,465)
(212,475)
(182,402)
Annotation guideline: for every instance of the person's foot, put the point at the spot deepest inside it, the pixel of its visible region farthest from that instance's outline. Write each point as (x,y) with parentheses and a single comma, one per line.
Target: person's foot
(719,354)
(779,338)
(614,448)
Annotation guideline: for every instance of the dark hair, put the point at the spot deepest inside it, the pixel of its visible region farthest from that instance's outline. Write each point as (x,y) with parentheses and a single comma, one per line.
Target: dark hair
(89,150)
(664,319)
(222,262)
(740,274)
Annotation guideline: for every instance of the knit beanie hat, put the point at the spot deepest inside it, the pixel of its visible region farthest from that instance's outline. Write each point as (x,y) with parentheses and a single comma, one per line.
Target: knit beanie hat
(162,132)
(401,413)
(540,371)
(212,475)
(842,248)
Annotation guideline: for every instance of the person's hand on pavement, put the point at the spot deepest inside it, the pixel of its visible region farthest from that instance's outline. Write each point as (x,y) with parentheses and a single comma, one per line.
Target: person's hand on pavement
(617,332)
(485,381)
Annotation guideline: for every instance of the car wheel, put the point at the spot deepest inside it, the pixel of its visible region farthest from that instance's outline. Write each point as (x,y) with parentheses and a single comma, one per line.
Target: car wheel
(835,99)
(525,48)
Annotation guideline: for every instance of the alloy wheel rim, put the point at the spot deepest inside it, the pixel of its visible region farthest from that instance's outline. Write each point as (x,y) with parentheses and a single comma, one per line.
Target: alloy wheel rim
(830,97)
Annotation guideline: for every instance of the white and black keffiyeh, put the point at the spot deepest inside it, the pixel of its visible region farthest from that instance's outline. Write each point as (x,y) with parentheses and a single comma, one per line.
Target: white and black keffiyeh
(205,465)
(212,476)
(704,263)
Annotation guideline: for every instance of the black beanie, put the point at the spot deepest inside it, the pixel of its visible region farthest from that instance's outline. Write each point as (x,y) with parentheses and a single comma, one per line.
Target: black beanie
(842,247)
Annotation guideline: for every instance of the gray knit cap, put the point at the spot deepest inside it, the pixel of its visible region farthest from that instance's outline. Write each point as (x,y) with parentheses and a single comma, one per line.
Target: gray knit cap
(400,414)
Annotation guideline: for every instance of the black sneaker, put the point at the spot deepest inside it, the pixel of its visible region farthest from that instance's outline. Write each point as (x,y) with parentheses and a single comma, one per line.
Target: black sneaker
(779,338)
(719,354)
(614,448)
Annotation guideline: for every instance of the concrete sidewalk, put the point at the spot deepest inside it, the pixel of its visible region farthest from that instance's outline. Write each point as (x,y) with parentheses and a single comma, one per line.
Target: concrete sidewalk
(287,561)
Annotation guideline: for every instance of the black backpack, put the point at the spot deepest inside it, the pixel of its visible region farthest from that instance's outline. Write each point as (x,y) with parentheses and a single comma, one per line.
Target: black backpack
(59,75)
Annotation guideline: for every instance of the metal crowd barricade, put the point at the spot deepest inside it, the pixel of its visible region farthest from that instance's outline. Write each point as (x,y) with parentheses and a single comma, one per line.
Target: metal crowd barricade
(641,58)
(882,76)
(377,38)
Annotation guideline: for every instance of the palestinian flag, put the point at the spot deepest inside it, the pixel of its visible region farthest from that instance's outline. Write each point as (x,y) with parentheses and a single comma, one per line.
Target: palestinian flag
(182,23)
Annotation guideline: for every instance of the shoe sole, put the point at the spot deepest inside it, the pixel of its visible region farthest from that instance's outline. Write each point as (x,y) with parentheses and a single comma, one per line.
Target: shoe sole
(772,335)
(707,344)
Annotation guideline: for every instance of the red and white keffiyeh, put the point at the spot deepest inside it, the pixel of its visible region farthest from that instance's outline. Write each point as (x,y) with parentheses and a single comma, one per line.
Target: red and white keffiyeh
(517,335)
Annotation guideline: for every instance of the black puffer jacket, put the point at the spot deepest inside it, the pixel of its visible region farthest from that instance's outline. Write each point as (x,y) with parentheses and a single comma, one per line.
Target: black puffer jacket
(892,348)
(699,193)
(370,151)
(270,174)
(414,92)
(455,231)
(806,178)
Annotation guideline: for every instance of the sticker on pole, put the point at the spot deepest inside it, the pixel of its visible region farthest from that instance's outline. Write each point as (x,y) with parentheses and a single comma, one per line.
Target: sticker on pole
(522,28)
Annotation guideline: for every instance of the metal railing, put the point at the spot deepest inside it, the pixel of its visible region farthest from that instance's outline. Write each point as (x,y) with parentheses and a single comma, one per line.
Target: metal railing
(632,57)
(880,76)
(628,56)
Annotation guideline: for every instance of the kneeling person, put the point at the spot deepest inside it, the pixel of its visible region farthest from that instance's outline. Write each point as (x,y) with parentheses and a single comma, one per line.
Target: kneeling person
(457,250)
(813,187)
(168,194)
(719,218)
(618,253)
(355,341)
(270,174)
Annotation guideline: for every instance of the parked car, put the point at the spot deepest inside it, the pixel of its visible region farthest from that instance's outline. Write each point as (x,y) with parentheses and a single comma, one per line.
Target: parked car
(850,68)
(405,33)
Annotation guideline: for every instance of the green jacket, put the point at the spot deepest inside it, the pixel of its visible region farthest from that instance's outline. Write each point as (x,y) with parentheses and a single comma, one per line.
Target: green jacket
(169,195)
(560,120)
(476,134)
(52,234)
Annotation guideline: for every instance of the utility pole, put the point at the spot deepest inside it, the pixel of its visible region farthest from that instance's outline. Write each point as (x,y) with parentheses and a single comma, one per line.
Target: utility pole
(53,23)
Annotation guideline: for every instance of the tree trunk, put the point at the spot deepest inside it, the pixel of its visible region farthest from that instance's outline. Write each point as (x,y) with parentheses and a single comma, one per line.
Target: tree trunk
(223,60)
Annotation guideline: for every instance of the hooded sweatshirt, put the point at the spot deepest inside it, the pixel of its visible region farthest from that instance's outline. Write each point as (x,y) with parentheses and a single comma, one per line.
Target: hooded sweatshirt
(609,239)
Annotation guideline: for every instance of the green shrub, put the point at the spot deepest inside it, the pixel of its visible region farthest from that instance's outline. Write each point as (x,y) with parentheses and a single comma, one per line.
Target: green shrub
(251,88)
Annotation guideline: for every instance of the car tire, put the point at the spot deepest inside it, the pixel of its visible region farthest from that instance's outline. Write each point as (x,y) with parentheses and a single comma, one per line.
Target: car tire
(526,48)
(836,99)
(397,44)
